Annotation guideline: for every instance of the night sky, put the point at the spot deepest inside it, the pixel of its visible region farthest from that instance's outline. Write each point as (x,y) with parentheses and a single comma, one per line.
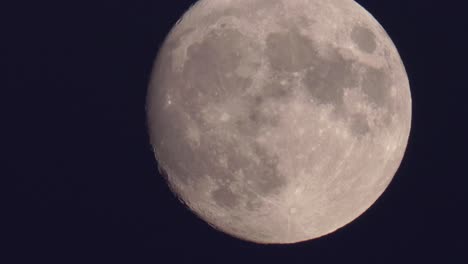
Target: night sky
(82,184)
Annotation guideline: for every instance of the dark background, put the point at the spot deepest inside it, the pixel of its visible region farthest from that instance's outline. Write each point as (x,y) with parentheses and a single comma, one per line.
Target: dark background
(82,184)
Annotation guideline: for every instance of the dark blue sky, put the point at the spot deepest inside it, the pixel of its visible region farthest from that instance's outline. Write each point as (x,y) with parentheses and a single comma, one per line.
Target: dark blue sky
(83,181)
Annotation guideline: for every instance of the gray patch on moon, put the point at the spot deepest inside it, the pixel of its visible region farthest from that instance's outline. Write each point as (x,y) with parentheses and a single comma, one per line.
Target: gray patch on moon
(258,166)
(259,169)
(272,181)
(329,77)
(253,202)
(248,10)
(360,125)
(224,197)
(209,62)
(364,38)
(259,5)
(259,176)
(289,51)
(263,117)
(174,151)
(259,110)
(376,85)
(279,87)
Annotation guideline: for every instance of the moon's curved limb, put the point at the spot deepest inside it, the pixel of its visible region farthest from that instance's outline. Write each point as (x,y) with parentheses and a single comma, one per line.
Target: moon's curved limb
(278,121)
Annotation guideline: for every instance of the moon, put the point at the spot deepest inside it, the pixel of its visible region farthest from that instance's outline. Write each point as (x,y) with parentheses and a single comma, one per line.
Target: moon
(278,121)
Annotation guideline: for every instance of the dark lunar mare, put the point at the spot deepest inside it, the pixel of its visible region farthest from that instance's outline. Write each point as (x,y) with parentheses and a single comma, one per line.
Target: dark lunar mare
(203,82)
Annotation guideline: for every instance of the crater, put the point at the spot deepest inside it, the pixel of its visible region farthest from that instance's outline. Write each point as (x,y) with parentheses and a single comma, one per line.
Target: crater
(364,39)
(289,51)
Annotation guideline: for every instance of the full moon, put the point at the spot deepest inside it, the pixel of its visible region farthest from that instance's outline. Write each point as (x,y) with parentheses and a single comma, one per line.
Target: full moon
(278,121)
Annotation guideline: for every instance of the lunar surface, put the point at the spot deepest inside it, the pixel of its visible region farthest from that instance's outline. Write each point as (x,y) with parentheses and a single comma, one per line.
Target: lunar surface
(278,121)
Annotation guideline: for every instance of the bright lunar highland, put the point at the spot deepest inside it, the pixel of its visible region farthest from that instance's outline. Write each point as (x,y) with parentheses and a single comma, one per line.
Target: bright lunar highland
(278,121)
